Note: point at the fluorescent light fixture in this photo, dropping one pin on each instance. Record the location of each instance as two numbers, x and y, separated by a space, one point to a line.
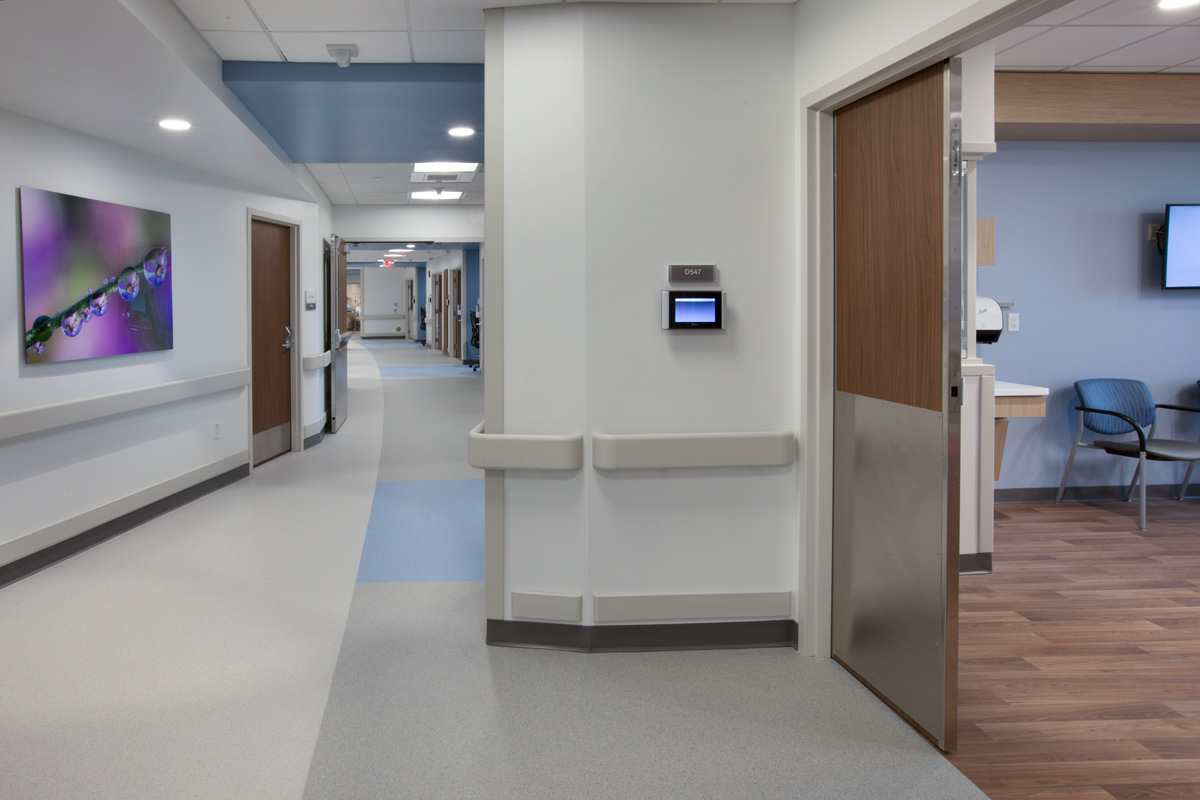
1171 5
174 124
449 166
436 195
461 130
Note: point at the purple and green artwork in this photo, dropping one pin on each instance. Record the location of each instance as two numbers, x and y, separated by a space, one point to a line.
97 278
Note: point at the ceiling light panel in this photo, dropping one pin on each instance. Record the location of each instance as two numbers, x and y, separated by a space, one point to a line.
344 15
436 196
444 166
374 47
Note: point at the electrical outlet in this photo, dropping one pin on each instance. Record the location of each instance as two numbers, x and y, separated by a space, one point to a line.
216 430
1014 321
1153 234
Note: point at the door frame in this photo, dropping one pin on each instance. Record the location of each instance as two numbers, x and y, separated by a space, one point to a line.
976 25
294 312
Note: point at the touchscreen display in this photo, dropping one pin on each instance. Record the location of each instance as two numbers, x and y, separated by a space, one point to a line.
696 309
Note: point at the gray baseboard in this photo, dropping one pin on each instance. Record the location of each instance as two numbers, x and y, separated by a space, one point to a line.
643 638
1046 494
314 440
36 562
975 564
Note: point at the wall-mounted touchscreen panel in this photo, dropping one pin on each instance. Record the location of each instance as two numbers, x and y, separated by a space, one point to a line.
693 310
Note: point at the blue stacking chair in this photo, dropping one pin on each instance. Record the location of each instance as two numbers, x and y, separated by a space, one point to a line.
1117 406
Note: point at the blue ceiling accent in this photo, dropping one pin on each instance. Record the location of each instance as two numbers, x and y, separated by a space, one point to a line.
364 113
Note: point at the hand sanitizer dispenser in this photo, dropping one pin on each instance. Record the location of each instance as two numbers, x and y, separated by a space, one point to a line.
989 320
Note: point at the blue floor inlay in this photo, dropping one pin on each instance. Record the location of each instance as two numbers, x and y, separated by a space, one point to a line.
432 371
424 531
375 345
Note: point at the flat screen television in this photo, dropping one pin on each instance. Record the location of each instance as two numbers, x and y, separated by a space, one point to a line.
1182 248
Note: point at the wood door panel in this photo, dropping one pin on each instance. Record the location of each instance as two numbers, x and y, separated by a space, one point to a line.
889 274
270 282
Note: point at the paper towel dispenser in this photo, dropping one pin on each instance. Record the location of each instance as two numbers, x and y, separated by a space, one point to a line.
989 320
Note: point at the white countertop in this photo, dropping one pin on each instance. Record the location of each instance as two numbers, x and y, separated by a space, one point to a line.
1006 389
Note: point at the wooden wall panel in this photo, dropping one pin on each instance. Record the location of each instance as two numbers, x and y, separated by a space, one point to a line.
889 243
1077 106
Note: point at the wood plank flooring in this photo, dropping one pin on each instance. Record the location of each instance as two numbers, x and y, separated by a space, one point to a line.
1080 655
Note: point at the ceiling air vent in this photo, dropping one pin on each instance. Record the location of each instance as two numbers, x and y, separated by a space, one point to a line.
442 176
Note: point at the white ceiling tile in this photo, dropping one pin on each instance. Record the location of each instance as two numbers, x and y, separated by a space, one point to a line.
1190 67
1136 12
342 198
1175 46
472 199
350 170
219 15
1070 11
323 171
241 46
1030 68
382 197
1018 35
448 47
1110 70
386 47
1068 46
361 184
321 15
446 15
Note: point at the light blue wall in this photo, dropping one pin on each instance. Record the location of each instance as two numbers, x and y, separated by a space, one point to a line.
470 297
1072 254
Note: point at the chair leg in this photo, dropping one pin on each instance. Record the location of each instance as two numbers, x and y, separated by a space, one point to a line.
1062 487
1142 468
1187 476
1136 472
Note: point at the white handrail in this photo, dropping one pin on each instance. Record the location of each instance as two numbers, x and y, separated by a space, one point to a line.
523 451
693 450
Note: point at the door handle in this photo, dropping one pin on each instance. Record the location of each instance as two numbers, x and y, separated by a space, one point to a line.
287 341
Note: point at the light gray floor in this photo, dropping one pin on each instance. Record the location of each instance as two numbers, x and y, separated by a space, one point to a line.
192 656
224 651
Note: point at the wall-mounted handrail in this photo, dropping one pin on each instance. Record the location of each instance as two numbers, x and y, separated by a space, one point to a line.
693 450
523 451
319 361
26 421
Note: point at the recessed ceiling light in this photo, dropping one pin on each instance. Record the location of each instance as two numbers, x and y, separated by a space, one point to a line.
461 130
436 195
377 178
174 124
1170 5
444 166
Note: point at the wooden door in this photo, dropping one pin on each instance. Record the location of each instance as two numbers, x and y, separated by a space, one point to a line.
271 340
898 328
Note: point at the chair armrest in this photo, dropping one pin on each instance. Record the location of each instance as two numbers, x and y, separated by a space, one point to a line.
1178 408
1136 428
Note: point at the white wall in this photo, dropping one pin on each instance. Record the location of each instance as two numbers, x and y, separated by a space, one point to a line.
50 477
401 223
383 294
699 98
